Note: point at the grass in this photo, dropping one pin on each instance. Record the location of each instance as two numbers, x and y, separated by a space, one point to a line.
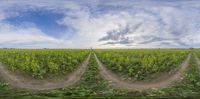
190 85
93 85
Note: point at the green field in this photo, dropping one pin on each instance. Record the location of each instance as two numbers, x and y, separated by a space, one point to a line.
142 64
39 63
131 64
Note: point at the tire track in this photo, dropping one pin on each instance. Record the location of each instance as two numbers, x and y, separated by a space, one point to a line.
18 81
160 82
198 61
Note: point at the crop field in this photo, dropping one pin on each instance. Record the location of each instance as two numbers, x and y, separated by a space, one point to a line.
65 73
142 64
112 49
39 63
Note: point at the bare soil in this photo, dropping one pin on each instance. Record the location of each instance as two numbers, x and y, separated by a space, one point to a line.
160 82
198 62
18 80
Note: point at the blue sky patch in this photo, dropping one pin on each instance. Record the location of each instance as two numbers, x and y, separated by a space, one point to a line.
45 20
94 23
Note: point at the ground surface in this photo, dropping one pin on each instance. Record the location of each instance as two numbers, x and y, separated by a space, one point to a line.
162 81
95 83
17 80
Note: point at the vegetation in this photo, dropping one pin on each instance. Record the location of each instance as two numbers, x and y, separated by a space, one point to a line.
197 53
142 64
188 87
39 63
93 85
90 85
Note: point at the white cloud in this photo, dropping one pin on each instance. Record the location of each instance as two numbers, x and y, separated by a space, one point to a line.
148 24
11 35
28 35
161 26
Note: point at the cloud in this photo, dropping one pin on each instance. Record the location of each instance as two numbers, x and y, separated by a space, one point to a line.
15 36
157 26
26 35
116 23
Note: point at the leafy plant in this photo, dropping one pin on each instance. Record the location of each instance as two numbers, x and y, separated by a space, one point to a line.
41 62
141 64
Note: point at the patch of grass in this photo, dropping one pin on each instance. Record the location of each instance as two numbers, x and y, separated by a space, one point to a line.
90 85
189 87
93 85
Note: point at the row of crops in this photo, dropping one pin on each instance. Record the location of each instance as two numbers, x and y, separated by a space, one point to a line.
41 62
197 53
135 64
92 83
142 64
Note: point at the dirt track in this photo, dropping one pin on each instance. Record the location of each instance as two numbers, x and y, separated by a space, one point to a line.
161 82
19 81
116 81
198 62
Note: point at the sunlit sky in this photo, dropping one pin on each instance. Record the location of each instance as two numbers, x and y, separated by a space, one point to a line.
99 23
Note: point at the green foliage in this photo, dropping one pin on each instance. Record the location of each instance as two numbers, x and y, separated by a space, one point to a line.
140 64
41 62
91 84
189 87
94 86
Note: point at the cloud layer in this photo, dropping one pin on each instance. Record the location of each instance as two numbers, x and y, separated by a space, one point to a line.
112 24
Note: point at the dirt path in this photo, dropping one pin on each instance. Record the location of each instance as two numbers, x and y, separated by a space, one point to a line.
161 82
198 62
19 81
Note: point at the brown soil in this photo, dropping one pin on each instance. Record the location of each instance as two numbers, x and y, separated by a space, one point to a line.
160 82
19 81
198 62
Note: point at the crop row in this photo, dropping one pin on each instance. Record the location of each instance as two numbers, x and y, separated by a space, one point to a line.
142 64
39 63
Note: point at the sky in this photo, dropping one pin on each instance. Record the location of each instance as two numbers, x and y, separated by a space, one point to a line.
99 23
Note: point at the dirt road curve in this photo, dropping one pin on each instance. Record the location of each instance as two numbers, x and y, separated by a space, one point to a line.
161 82
19 81
198 62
